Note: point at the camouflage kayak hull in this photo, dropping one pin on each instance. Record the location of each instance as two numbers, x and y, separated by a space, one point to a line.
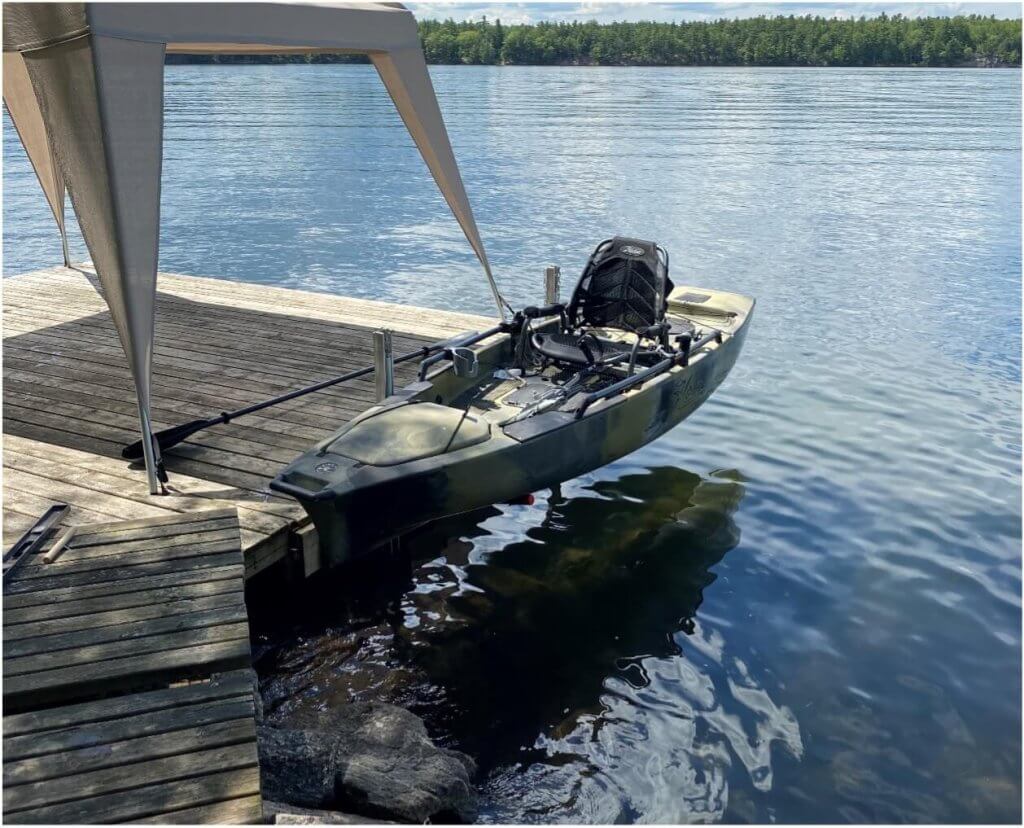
448 445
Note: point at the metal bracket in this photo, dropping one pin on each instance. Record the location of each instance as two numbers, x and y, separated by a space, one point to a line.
30 543
383 364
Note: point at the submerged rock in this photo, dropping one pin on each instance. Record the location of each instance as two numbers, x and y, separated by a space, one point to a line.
297 766
374 758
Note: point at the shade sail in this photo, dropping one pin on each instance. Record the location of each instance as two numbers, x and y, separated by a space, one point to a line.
83 83
28 121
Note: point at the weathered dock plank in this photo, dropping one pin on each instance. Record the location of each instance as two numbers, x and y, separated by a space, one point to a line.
69 636
127 679
70 407
182 754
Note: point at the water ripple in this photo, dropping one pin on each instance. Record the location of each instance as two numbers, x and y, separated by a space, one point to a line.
828 631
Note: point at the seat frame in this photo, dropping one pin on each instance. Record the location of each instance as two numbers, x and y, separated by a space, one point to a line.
577 310
573 323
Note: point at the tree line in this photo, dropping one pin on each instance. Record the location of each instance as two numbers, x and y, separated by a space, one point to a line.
967 40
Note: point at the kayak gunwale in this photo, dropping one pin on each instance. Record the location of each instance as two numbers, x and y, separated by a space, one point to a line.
366 505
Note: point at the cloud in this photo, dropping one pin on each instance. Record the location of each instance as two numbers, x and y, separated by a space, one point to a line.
603 12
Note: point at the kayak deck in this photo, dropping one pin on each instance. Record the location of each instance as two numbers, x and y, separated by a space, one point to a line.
501 399
496 424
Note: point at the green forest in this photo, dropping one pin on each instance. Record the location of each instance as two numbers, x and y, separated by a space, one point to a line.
970 40
758 41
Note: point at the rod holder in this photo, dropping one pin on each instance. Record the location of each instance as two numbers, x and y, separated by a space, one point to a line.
552 284
383 364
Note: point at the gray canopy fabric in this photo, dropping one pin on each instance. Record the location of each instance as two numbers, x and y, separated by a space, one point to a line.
28 121
83 84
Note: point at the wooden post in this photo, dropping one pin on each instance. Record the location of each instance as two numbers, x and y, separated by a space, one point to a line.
552 284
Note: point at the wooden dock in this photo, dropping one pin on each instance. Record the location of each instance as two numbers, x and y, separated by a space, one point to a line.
128 689
126 605
181 755
69 404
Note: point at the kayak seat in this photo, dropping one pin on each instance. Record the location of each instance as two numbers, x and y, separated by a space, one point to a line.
576 349
624 287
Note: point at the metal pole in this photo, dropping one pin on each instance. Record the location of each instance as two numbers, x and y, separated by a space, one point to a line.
63 229
64 245
150 452
552 284
498 298
383 364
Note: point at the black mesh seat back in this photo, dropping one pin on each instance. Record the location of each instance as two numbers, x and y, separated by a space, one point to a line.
624 286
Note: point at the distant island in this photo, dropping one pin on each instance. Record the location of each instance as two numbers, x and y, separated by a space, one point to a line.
967 40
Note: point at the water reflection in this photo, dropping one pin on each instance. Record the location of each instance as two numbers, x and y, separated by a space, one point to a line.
605 580
570 661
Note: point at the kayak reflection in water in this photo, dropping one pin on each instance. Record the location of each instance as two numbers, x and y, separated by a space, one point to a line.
524 640
569 661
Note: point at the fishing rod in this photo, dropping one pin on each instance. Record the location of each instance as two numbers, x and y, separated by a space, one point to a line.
170 437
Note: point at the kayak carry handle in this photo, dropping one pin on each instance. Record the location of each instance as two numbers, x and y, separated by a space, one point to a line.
299 492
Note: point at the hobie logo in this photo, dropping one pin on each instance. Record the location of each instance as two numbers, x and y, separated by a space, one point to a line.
631 250
326 468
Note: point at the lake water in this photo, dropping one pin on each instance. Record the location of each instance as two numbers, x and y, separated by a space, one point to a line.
803 604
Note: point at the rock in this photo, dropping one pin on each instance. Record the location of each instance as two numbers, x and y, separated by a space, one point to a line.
374 758
297 766
277 813
393 768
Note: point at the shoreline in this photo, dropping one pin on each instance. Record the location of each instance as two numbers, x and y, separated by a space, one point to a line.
260 60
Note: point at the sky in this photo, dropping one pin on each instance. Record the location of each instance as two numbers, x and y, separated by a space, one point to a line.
606 12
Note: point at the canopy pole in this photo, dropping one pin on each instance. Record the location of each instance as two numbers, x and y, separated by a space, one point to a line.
101 100
62 226
151 453
129 85
499 300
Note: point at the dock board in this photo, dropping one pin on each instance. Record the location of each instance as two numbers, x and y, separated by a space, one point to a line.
69 404
127 606
128 689
186 754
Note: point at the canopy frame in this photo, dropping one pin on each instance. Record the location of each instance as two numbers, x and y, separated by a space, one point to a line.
83 83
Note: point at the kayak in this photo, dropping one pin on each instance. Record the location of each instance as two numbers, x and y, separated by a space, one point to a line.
554 393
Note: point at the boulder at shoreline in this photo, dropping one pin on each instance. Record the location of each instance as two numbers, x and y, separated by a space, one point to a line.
367 758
